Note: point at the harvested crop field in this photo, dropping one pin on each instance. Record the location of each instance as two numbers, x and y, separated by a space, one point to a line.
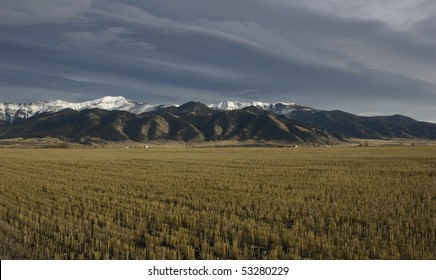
218 203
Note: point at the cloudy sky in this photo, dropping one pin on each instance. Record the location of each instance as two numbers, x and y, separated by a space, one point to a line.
372 57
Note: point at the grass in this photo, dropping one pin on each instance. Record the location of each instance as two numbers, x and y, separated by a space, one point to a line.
222 203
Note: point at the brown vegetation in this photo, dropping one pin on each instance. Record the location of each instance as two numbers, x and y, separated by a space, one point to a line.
239 203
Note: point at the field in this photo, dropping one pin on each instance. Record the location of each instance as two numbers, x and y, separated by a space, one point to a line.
218 203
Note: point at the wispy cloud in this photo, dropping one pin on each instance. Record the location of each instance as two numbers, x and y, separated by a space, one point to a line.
19 13
335 54
95 38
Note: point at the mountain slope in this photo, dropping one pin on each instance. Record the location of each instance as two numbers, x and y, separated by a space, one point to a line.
192 121
349 125
71 124
11 112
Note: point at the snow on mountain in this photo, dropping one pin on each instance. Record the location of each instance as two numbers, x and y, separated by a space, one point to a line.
280 108
9 112
12 111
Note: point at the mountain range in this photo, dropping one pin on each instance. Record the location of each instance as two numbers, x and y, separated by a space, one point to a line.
10 112
119 119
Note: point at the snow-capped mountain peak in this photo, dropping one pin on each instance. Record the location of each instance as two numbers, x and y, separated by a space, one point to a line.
281 108
108 103
9 112
12 111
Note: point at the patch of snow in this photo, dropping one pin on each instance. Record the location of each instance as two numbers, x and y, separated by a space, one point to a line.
12 111
280 108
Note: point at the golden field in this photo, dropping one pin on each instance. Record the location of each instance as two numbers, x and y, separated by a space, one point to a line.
218 203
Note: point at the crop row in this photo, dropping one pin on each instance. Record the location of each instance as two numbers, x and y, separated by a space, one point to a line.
251 203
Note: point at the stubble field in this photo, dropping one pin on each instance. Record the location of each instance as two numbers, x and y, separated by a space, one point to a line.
222 203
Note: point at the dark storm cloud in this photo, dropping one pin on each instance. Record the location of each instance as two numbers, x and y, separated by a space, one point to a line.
340 55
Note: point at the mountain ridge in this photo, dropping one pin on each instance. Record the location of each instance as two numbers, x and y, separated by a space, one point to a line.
194 122
378 127
116 118
10 112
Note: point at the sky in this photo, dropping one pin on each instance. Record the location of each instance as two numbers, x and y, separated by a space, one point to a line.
372 57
